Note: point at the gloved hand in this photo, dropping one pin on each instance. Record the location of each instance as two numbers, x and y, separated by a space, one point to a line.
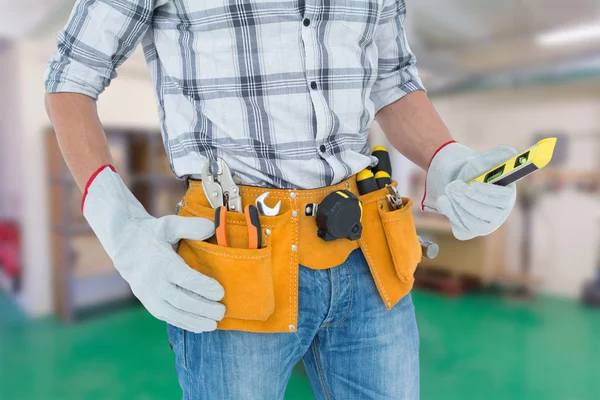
476 209
140 247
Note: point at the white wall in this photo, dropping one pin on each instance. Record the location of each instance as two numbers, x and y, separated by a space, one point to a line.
10 139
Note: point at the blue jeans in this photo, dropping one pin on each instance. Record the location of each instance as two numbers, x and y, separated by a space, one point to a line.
352 347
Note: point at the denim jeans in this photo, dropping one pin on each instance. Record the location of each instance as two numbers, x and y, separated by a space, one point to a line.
351 345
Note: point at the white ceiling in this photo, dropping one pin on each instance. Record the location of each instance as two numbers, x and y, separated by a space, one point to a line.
445 23
479 36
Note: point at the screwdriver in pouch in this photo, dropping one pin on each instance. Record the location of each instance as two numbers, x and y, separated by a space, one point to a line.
384 165
383 176
383 179
365 181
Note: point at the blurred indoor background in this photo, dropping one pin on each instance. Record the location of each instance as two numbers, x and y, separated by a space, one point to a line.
511 316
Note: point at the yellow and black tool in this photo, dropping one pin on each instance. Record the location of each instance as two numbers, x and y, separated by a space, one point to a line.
365 181
383 169
521 165
383 157
382 178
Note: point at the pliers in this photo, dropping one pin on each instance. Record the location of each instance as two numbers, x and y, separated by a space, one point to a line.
219 186
252 221
224 195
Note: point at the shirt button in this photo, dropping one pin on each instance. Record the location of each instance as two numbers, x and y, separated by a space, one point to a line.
313 85
306 22
322 148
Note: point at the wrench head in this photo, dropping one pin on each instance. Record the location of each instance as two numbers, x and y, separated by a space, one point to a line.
264 209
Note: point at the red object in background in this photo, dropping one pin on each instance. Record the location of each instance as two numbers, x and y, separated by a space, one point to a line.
9 253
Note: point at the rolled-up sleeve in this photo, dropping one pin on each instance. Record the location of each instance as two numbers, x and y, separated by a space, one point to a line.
99 36
397 73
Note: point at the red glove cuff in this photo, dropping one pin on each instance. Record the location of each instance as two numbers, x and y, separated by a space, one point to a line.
89 182
429 165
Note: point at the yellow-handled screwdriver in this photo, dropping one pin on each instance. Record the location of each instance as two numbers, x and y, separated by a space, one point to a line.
383 160
365 180
383 179
383 169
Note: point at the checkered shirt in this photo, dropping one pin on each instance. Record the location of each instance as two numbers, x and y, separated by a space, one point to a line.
284 91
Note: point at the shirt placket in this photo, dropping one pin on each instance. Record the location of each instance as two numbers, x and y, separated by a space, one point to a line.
314 63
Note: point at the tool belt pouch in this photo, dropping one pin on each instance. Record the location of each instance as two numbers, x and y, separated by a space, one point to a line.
260 284
390 245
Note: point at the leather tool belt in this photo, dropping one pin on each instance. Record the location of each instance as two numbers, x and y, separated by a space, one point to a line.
261 285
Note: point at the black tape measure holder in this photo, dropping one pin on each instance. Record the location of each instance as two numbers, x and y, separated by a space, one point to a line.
338 216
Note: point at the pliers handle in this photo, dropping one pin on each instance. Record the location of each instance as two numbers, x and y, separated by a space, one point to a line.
252 221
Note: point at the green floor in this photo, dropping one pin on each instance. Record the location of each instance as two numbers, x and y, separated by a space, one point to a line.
475 347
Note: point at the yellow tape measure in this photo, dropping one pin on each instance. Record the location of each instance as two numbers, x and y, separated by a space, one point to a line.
521 165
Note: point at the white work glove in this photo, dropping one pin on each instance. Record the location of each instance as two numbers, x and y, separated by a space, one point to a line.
141 248
476 209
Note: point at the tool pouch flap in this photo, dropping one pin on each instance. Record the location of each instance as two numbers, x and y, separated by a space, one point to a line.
402 239
390 244
246 275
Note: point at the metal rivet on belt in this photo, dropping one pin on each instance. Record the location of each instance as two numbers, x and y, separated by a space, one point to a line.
292 195
292 327
380 205
347 185
389 303
294 247
267 232
294 213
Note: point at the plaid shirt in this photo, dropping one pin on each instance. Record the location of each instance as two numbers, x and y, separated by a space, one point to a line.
284 91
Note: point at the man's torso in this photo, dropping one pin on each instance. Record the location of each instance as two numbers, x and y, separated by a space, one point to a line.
278 89
284 91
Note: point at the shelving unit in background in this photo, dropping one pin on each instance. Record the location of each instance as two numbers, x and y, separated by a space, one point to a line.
84 277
